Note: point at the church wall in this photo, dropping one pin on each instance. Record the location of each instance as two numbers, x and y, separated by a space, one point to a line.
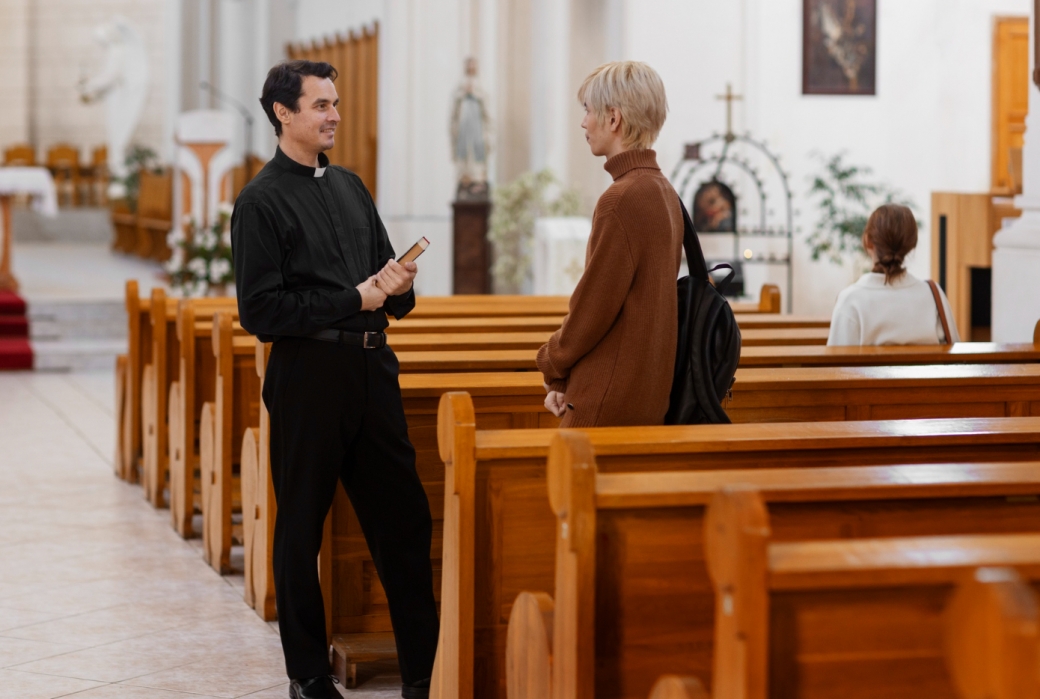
927 129
316 18
64 50
14 79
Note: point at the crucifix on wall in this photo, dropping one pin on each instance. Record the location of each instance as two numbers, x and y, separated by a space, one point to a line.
730 98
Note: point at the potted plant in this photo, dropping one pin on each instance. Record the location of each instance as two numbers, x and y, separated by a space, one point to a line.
201 262
511 231
846 197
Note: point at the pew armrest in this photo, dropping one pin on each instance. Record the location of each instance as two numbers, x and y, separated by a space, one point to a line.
676 687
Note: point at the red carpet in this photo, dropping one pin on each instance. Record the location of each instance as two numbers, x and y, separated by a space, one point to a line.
15 352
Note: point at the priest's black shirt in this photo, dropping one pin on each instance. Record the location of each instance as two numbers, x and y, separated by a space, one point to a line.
302 239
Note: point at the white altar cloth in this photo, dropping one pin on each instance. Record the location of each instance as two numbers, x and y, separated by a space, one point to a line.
34 181
559 253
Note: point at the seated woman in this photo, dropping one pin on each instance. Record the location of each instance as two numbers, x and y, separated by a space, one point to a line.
611 362
890 306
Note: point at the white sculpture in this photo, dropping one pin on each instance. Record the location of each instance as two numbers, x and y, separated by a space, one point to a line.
123 84
470 142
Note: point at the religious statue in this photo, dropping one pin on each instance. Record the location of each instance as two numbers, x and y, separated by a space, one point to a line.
469 136
123 85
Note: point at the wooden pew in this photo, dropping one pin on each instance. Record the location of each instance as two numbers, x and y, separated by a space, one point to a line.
157 376
889 355
884 393
195 385
991 637
484 305
754 357
236 408
501 536
477 341
139 354
551 323
630 566
838 618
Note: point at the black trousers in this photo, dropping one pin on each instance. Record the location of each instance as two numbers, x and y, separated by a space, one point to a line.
336 413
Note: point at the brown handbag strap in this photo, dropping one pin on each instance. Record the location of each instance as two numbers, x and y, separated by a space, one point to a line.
942 311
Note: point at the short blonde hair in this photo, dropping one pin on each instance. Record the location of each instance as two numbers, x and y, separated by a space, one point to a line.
634 89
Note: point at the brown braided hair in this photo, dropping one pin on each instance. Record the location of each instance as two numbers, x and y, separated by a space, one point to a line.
892 231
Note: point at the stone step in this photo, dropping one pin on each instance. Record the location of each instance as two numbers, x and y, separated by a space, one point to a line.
77 355
77 320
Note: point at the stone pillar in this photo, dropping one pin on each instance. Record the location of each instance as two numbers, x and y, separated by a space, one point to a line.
1016 254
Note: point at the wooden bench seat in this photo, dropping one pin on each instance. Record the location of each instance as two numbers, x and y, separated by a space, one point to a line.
500 530
884 392
839 618
617 531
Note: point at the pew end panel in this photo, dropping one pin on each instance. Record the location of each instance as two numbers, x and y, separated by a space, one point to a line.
736 535
258 536
529 647
991 637
1036 333
571 486
122 364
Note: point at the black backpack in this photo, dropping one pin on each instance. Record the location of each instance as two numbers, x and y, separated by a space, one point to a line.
708 344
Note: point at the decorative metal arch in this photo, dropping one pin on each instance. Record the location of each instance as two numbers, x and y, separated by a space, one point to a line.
695 162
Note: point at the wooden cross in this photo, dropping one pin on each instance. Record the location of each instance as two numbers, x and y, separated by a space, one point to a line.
729 97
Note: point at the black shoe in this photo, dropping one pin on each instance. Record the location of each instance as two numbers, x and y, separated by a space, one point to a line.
320 687
416 690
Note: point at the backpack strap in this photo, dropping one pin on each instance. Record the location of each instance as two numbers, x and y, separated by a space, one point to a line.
695 256
692 245
942 311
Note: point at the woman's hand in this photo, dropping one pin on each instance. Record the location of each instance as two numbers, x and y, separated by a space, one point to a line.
555 402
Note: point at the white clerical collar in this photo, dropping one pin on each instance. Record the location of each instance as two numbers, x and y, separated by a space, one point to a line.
319 172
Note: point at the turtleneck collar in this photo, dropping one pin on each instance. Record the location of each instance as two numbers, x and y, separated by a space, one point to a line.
630 160
286 163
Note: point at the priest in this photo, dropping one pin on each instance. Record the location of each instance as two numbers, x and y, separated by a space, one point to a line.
316 275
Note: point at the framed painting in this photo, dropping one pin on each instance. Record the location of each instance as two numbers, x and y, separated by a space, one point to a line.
839 47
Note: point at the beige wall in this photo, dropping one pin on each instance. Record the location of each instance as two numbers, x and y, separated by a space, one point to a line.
59 36
14 78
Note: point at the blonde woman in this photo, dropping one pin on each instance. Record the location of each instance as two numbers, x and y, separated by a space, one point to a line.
611 362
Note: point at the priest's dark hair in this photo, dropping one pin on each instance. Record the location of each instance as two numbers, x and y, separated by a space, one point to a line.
284 85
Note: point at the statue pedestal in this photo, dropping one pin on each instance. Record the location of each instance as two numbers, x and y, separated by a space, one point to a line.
472 267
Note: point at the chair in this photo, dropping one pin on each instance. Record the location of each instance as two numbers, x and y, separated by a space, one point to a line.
63 162
20 154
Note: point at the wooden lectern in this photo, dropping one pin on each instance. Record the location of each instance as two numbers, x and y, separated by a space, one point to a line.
963 226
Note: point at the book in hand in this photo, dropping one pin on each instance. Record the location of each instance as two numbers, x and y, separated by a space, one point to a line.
413 252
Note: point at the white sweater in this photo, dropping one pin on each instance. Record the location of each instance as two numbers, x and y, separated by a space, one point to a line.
871 312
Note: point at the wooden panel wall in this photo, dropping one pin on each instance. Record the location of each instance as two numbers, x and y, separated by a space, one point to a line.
1010 95
356 58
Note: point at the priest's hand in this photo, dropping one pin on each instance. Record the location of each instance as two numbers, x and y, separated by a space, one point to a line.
372 297
396 278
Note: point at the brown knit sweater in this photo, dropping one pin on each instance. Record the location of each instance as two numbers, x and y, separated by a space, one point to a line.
613 358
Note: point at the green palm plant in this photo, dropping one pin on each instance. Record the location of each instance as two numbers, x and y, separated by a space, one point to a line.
846 197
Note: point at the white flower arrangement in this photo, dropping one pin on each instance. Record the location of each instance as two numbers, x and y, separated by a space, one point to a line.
201 261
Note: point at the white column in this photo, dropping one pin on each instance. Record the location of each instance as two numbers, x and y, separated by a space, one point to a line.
420 65
1016 254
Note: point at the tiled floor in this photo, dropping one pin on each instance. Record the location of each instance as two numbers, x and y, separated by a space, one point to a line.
99 598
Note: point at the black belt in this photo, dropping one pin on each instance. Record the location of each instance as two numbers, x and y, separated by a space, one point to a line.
368 340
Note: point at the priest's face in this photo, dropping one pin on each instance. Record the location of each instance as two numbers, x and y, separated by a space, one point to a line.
313 128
